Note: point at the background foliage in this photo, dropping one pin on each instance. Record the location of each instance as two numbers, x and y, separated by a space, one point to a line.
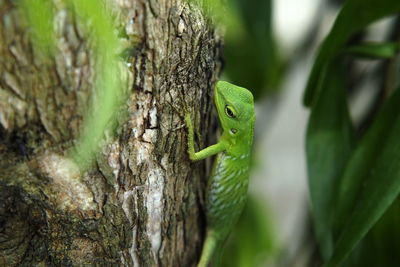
353 166
353 181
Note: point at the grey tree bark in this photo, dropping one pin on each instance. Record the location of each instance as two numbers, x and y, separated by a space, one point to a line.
140 204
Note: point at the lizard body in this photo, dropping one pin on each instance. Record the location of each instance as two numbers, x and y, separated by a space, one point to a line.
227 185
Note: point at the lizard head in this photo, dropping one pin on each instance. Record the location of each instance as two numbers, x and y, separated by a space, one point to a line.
235 107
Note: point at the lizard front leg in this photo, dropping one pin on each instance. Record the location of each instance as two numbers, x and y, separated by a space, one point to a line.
204 153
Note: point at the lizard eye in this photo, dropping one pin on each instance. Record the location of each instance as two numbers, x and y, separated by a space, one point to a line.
233 131
230 112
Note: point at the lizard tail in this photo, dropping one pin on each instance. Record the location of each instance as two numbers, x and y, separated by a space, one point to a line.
208 251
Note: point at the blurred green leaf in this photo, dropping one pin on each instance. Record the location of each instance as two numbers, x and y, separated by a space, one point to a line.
220 12
99 25
39 15
328 146
374 50
381 245
107 96
251 55
353 17
252 241
371 181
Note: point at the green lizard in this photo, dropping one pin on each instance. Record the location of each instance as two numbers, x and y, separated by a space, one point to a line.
227 185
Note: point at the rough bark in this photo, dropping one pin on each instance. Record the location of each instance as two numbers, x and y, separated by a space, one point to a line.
140 203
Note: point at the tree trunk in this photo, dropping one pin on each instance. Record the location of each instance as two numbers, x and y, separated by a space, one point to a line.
140 204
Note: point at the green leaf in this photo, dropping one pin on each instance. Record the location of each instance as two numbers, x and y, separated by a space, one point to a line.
374 50
381 245
98 23
328 146
252 64
371 181
40 15
354 16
